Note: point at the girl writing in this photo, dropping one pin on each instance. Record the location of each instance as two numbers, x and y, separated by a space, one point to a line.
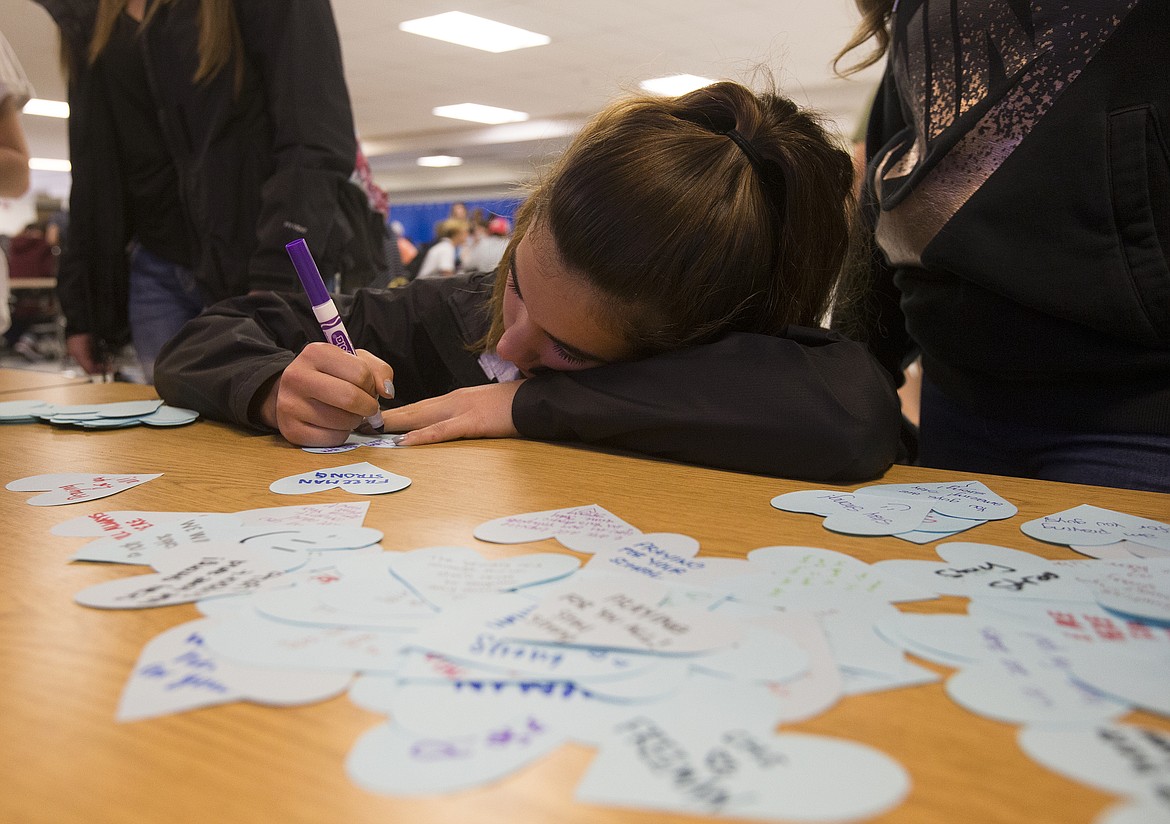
661 293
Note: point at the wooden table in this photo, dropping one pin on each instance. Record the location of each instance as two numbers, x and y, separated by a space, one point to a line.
30 383
64 759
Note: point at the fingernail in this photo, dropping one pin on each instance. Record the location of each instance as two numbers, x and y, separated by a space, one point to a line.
397 439
388 385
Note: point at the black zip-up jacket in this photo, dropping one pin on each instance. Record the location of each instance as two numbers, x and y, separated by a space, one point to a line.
1019 179
809 404
257 168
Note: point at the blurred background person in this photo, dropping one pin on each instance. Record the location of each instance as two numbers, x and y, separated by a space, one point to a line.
441 259
204 135
15 91
485 255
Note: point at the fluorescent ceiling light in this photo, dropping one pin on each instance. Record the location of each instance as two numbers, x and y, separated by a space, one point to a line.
47 108
439 161
479 114
49 164
675 84
476 32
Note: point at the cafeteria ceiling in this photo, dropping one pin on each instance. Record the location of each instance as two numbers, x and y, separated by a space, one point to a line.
598 50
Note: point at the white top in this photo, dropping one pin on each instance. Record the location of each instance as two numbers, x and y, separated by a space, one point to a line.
485 255
440 260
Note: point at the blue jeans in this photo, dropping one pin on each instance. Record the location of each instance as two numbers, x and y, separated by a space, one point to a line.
163 297
952 437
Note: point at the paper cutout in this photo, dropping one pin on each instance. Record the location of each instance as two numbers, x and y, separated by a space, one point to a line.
177 672
389 759
144 545
347 513
1022 692
200 576
1127 675
658 556
354 441
957 499
314 538
442 575
853 515
802 576
740 773
618 614
255 640
1137 589
117 524
359 478
1117 758
76 487
21 411
475 632
1088 525
580 528
977 570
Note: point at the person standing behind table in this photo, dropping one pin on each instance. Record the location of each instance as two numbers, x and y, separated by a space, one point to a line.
1019 190
204 135
485 256
441 259
15 91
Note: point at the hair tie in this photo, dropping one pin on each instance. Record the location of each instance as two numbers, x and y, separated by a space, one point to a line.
757 163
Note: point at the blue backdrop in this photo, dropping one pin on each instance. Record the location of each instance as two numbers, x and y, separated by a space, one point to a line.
419 219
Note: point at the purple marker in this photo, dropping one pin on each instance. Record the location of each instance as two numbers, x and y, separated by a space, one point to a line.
323 307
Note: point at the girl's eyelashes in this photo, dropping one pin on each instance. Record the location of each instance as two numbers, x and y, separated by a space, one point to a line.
511 283
564 354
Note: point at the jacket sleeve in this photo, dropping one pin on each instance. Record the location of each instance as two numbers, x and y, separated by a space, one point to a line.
219 361
813 405
295 48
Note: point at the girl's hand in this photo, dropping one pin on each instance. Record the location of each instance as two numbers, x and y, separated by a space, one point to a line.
325 393
472 412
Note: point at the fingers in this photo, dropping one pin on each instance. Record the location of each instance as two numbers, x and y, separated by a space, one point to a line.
324 394
474 412
382 372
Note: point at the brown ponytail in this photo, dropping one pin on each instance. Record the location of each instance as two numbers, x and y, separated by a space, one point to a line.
875 18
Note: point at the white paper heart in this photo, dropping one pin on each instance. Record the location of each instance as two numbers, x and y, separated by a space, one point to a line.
1088 525
613 613
176 671
801 575
347 513
1020 692
195 576
25 410
475 632
359 478
354 441
76 487
853 515
1126 675
580 528
312 538
443 575
986 570
959 499
253 639
659 556
1118 758
143 545
389 759
170 416
117 524
737 773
